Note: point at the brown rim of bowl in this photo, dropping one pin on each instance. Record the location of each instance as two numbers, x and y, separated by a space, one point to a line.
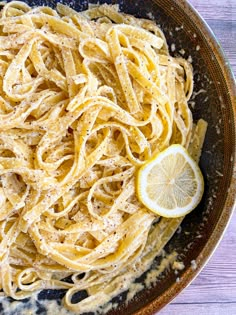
218 232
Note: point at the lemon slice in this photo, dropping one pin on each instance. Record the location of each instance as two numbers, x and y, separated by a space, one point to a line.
171 184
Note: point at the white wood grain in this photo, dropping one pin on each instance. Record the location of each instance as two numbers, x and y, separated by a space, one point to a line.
224 10
200 309
221 17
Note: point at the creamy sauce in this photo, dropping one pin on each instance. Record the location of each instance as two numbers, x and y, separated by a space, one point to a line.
190 59
172 47
182 51
193 265
51 307
150 16
18 308
154 273
178 265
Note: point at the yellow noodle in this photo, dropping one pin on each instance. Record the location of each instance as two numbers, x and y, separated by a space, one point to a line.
85 99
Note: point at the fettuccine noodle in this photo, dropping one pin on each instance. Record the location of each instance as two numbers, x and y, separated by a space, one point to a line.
85 99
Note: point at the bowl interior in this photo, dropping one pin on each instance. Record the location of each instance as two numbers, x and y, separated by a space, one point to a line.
212 100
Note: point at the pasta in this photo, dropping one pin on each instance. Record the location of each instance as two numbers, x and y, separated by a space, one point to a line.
85 99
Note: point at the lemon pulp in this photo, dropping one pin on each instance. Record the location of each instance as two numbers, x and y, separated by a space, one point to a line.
170 184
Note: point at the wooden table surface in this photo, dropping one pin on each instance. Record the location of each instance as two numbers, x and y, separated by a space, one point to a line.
213 292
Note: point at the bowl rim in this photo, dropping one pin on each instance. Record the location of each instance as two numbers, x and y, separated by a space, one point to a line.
230 204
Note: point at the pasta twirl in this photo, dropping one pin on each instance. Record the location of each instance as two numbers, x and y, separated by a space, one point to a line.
85 99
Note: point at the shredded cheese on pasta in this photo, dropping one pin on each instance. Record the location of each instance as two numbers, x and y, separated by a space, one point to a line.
85 99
